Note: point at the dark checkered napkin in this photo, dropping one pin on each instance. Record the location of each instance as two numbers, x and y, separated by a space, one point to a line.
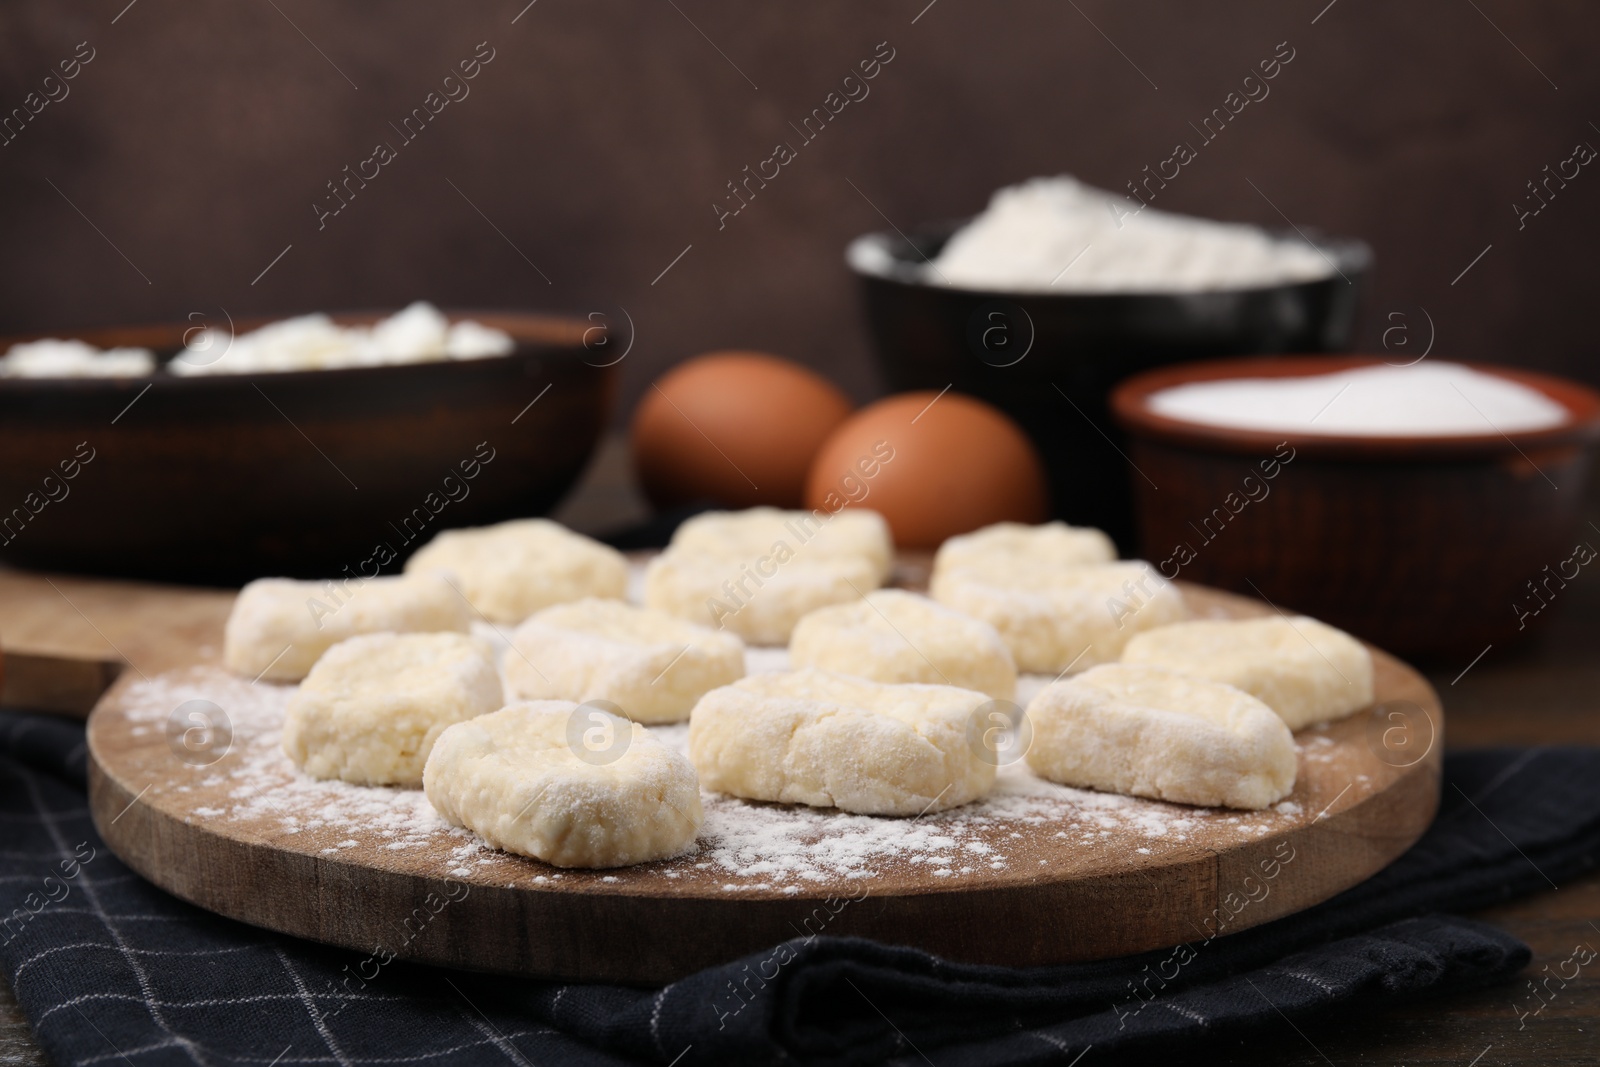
111 970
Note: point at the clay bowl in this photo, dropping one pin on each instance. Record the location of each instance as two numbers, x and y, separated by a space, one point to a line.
1050 360
223 478
1434 547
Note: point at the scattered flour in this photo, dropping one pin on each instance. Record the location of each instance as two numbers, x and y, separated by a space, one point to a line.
743 847
265 786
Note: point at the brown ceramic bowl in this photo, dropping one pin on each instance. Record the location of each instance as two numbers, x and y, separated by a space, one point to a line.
1049 360
1432 547
224 478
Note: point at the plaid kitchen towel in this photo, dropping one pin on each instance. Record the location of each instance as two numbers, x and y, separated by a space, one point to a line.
111 970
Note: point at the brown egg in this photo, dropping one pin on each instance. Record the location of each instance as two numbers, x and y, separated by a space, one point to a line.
933 466
740 428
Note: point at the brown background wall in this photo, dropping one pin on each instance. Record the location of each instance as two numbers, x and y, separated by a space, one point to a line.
601 133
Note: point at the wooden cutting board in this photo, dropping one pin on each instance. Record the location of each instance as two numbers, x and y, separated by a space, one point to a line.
1038 874
65 639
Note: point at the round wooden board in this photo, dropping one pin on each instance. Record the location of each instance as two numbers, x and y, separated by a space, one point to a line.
1037 874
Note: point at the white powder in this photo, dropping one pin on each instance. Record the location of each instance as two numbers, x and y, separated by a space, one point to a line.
261 783
743 846
418 334
1423 400
51 358
1060 235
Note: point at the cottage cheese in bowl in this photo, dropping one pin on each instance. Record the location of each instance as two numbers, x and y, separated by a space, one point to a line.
418 334
52 358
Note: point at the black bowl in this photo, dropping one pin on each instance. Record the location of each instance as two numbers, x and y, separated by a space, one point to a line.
1050 360
223 478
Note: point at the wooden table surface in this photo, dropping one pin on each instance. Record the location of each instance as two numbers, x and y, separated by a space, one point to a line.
1547 693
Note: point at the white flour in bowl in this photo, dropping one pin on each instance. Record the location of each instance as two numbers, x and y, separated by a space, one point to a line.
1424 400
1060 235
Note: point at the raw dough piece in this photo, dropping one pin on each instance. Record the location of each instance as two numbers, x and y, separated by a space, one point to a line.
1056 617
513 569
520 779
752 533
756 572
650 664
1147 732
721 592
279 626
1049 545
809 737
372 707
1304 670
895 636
